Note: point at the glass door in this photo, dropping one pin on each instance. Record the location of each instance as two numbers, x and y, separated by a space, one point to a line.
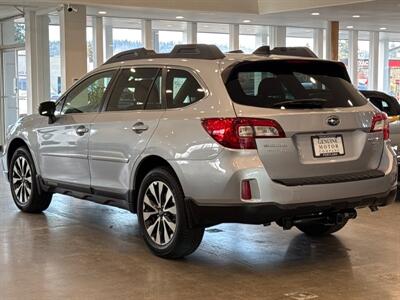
13 96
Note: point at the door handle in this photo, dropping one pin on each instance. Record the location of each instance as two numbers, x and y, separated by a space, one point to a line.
139 127
81 130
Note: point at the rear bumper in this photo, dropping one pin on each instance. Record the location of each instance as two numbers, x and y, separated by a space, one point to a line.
261 213
217 182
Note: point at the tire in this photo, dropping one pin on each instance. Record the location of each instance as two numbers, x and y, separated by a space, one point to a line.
26 192
318 229
162 218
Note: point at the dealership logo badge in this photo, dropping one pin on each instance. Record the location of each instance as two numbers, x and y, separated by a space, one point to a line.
333 121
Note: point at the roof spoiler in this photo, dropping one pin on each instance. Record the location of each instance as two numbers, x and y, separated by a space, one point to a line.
286 51
195 51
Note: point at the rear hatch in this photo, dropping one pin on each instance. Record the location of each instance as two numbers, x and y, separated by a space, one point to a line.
328 131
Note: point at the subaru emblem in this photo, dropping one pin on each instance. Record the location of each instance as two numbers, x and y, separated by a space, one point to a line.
333 121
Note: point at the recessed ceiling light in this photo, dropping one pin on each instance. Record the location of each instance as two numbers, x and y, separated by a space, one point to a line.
356 16
102 12
315 14
350 27
383 28
179 17
246 21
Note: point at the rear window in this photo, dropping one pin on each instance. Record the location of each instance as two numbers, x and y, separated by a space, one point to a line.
292 84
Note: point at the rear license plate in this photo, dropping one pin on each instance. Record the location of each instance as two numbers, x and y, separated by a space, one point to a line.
328 146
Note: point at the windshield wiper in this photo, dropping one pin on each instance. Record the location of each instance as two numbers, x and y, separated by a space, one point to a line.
312 102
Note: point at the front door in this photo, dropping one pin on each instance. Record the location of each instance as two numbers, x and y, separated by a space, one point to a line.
63 145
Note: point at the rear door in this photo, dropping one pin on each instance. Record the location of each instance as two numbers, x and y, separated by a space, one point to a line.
63 145
327 123
121 132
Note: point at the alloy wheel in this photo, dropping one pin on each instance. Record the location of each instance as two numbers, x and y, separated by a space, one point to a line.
159 213
22 180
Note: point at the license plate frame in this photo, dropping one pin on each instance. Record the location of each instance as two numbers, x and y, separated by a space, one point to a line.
339 141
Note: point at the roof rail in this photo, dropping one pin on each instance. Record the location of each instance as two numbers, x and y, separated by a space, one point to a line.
199 51
235 51
138 53
288 51
196 51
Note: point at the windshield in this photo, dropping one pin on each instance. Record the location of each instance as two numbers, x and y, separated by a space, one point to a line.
292 84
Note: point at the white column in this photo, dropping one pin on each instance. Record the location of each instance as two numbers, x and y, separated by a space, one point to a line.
108 41
37 59
31 63
384 78
98 41
277 36
147 35
373 60
191 35
233 37
73 45
353 56
318 36
327 42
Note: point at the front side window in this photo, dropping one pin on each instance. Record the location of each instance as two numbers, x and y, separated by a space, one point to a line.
88 96
137 89
182 89
294 84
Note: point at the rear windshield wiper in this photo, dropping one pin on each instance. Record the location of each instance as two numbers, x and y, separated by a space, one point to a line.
312 102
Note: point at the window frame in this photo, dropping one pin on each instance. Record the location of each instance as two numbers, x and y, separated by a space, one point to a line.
64 97
117 76
164 70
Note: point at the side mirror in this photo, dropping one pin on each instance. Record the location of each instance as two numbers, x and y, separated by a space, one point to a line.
48 109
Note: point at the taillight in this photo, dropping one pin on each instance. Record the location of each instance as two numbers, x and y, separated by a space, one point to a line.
241 133
380 122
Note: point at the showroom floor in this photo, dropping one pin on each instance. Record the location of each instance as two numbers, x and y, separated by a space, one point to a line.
80 250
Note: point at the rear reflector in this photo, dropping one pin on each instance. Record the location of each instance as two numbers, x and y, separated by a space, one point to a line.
380 122
241 133
246 190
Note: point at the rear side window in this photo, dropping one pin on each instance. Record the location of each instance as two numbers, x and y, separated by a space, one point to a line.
136 89
292 84
182 89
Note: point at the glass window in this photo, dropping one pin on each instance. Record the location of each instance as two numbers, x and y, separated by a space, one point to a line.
392 86
213 33
281 85
344 47
90 44
134 87
55 57
300 37
182 89
363 60
252 36
167 34
13 32
88 96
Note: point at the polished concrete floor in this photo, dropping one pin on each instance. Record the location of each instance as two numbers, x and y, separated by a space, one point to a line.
80 250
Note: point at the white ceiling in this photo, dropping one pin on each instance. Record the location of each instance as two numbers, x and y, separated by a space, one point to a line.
375 14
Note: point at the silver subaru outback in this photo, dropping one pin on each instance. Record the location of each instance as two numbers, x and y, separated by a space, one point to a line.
196 137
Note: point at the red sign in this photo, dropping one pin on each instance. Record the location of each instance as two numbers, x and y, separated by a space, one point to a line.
394 63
